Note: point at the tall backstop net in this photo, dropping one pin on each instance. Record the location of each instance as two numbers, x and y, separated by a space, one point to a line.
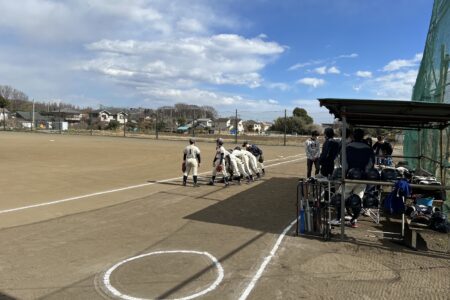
433 85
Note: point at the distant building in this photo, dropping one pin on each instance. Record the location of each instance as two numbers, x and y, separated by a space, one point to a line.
109 115
253 126
4 116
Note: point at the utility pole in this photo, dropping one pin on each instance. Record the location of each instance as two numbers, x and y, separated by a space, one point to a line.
32 118
285 127
124 125
235 127
156 125
60 122
193 124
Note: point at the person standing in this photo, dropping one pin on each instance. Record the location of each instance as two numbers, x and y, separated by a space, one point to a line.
330 151
312 149
219 165
382 150
359 157
191 160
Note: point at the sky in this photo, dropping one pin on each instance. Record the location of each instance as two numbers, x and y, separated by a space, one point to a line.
260 57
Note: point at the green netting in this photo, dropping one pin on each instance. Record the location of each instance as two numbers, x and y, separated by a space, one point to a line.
433 85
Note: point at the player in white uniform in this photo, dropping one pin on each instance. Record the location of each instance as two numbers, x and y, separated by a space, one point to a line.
258 153
241 162
252 163
191 159
219 160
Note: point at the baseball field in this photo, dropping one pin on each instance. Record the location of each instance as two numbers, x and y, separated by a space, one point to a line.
86 217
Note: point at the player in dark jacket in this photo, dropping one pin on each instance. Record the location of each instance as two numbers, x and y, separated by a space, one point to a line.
330 150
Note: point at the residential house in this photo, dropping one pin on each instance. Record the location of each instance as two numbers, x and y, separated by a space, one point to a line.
109 115
68 115
222 124
5 115
265 126
204 123
25 119
228 125
253 126
240 125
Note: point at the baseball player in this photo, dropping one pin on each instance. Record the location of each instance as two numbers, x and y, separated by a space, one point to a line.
219 163
191 160
258 153
241 162
252 163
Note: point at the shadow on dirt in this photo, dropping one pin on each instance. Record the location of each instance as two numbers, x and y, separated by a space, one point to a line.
266 207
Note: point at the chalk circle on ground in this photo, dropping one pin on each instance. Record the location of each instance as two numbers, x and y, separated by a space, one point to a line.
115 292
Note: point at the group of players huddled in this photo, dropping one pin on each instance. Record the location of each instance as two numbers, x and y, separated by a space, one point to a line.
241 163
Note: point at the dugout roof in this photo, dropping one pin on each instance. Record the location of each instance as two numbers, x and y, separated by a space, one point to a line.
389 113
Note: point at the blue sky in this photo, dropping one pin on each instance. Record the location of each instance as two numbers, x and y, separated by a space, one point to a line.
260 57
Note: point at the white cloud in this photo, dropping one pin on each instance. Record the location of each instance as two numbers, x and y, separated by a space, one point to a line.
333 70
278 85
396 85
311 81
305 64
324 70
353 55
403 63
364 74
321 70
216 60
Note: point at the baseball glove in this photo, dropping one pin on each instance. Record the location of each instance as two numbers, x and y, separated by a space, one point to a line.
261 158
183 167
219 168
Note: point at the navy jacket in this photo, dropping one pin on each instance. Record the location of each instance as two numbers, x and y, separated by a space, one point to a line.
360 156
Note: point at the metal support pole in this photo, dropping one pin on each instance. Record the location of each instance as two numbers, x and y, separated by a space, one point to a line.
344 171
441 152
32 119
124 125
285 127
156 126
235 127
193 124
419 143
60 122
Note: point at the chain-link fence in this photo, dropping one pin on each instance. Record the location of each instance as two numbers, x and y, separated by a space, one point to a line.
433 85
278 127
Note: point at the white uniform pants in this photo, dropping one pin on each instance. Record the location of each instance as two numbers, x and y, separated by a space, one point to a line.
191 164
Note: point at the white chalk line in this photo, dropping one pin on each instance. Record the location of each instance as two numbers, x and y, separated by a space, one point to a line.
213 286
266 261
124 189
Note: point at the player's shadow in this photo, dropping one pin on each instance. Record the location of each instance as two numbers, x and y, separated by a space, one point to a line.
6 297
268 206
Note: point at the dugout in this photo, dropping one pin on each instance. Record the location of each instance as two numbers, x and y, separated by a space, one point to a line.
392 114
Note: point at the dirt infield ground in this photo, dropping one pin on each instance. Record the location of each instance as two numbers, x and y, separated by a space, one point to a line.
102 218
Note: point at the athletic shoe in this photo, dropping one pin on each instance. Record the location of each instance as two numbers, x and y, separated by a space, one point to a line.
227 184
211 183
196 185
335 222
354 224
184 183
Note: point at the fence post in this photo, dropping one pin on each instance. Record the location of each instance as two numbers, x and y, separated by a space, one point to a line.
124 125
156 126
285 127
235 127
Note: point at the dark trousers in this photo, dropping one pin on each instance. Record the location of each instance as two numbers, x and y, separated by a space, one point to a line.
309 163
355 212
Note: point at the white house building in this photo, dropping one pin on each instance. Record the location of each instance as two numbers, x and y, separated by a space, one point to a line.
4 116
